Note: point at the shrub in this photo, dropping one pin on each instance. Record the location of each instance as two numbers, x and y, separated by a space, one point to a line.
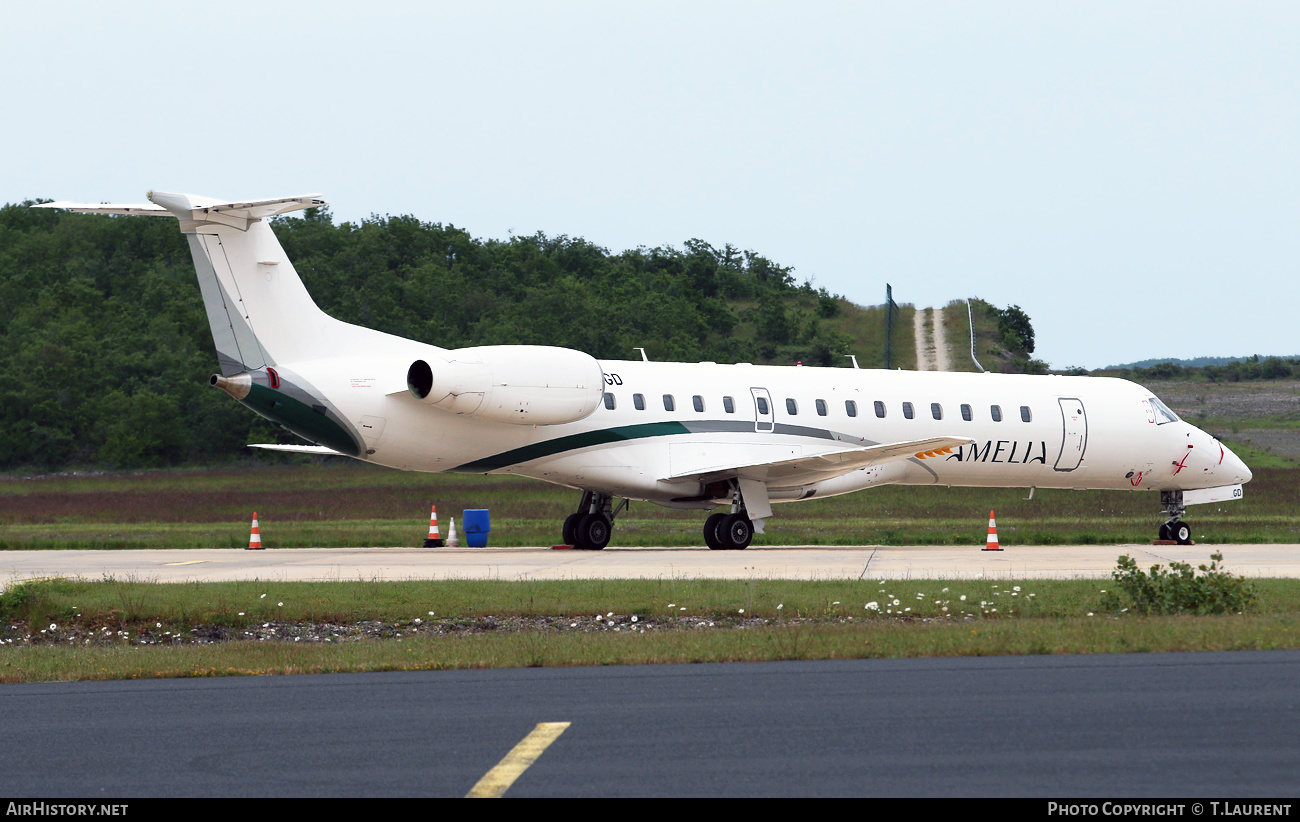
1179 590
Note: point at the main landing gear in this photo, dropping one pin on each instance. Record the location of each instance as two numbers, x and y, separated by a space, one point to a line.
1174 528
589 528
732 530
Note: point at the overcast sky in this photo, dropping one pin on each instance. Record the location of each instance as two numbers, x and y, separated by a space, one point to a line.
1125 172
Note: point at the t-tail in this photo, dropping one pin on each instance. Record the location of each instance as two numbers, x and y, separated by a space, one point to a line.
262 318
258 309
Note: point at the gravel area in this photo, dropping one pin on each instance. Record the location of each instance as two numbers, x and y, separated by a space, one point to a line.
19 634
1243 401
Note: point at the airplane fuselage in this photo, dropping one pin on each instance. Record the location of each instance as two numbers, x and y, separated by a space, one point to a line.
672 424
687 435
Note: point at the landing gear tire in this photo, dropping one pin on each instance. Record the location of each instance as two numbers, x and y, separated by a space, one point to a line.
570 529
1164 531
735 531
592 532
711 538
1182 532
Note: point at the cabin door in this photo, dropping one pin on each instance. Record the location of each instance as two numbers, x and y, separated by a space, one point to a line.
1074 433
763 416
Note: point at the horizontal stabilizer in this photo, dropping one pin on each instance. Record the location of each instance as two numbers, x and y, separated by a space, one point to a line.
829 464
318 450
146 209
198 209
248 210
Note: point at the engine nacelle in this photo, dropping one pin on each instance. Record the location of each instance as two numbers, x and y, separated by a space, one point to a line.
520 384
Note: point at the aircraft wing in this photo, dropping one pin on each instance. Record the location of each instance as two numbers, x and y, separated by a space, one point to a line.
319 450
822 465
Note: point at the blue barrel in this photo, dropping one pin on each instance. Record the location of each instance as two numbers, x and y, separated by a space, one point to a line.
477 525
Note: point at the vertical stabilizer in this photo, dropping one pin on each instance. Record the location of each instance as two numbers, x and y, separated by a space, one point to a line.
258 309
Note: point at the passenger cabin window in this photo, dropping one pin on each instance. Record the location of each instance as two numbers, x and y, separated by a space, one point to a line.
850 408
936 410
638 402
791 407
995 411
880 409
965 412
762 405
669 403
908 411
729 405
1025 416
609 401
698 402
821 408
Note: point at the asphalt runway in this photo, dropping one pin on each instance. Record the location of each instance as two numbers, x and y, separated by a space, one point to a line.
1176 726
811 562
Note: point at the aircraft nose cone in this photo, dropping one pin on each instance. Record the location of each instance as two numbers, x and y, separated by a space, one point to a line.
1233 468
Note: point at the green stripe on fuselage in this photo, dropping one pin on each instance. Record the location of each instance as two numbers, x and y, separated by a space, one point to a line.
301 419
570 443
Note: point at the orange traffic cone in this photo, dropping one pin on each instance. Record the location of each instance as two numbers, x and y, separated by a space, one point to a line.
434 540
255 538
452 542
992 543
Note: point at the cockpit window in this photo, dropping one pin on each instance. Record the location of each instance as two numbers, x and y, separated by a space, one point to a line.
1163 414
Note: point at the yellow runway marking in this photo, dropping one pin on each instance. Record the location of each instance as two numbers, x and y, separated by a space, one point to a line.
189 562
497 781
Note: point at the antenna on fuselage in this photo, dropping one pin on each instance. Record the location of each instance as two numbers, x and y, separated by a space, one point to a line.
644 358
854 358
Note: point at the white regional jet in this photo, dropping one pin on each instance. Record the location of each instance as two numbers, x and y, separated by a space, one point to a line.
683 435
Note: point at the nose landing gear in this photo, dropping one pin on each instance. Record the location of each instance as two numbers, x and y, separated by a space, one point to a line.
1174 529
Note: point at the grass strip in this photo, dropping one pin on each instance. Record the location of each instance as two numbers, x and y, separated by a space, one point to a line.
357 505
73 630
874 640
